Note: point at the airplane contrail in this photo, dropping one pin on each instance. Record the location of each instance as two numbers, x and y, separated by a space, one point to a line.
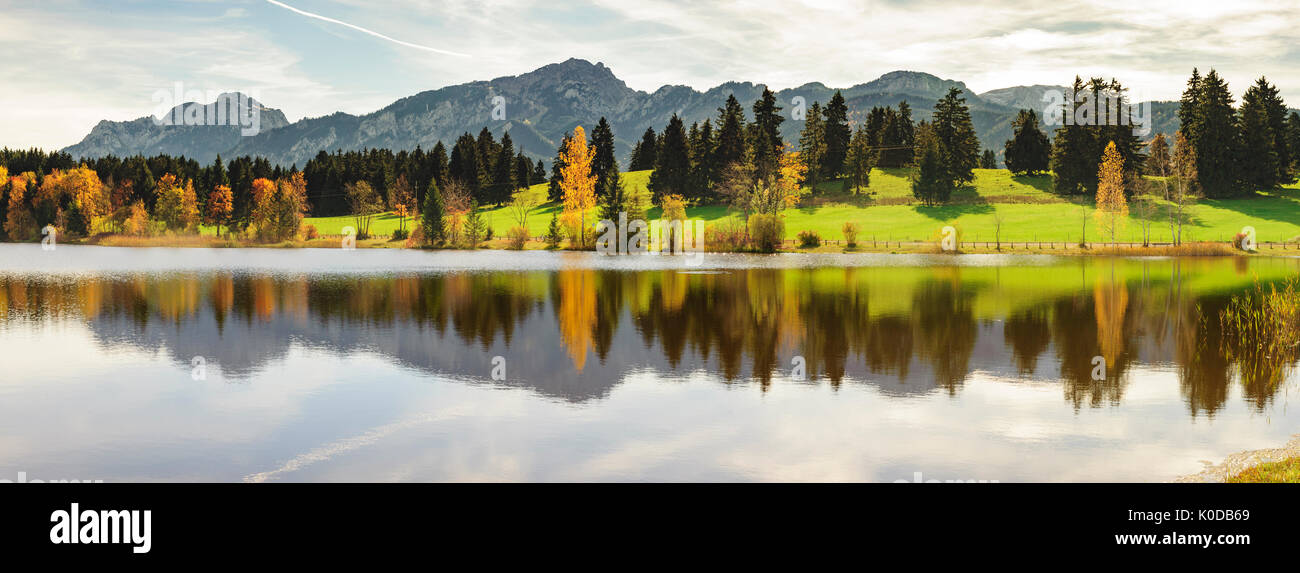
371 32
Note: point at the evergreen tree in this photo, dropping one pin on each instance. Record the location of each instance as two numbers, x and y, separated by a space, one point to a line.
704 169
837 136
1074 161
1265 160
765 136
523 171
731 134
672 167
438 169
813 147
1158 159
539 173
503 172
988 160
958 144
858 161
1028 151
464 165
1189 107
1217 139
1293 142
487 148
932 183
554 191
431 216
603 163
645 153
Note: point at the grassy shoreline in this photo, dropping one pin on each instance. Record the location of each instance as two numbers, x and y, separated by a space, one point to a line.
867 247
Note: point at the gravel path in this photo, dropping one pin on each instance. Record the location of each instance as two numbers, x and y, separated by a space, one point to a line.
1238 462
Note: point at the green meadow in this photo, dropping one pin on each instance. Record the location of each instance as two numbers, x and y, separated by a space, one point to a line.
887 212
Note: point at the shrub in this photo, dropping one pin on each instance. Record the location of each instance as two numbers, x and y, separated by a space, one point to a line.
309 232
725 236
400 234
850 230
517 237
766 232
809 240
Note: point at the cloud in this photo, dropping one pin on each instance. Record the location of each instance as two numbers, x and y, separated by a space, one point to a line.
104 64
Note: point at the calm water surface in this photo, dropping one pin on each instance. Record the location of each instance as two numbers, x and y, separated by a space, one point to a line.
330 365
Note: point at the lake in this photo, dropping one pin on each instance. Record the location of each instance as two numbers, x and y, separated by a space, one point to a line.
124 364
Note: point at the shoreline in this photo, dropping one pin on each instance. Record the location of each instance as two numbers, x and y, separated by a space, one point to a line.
1236 463
1203 249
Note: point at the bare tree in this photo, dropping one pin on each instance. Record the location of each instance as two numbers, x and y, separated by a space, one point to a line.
997 229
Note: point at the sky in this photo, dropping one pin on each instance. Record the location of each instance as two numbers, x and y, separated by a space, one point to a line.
67 64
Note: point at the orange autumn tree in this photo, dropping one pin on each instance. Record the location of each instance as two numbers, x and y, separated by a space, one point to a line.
221 204
1112 207
578 185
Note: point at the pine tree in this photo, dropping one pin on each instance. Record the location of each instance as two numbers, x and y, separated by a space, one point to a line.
988 160
1265 161
645 153
1217 139
731 145
1028 151
1189 115
464 165
603 162
813 146
858 161
958 144
672 166
486 147
765 136
1112 207
554 191
837 136
1293 143
704 172
932 183
539 173
1074 160
431 216
503 172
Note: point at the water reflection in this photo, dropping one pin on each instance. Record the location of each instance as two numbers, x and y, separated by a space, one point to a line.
575 333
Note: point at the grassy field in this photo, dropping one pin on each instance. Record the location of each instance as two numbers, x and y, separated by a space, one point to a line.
1030 212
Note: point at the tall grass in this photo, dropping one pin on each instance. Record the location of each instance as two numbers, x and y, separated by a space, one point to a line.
1261 332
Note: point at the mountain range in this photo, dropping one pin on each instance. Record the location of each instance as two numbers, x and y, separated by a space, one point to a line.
540 107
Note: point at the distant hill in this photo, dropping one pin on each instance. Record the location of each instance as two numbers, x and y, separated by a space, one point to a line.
540 106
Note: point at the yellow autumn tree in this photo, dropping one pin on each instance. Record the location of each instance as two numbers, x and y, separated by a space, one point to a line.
578 184
173 206
1112 207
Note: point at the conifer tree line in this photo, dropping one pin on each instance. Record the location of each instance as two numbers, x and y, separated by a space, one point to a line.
1236 149
696 162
